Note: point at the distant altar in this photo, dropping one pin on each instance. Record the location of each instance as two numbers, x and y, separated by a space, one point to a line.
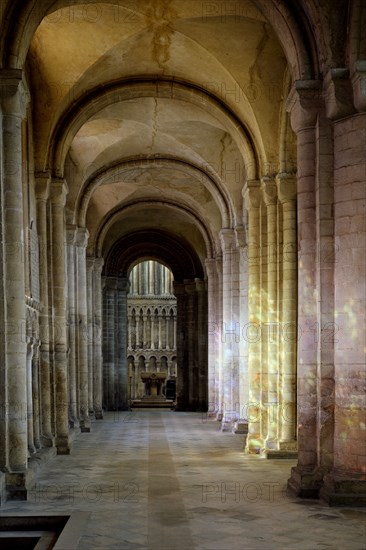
154 397
154 382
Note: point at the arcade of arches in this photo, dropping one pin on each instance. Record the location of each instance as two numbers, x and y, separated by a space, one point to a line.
225 141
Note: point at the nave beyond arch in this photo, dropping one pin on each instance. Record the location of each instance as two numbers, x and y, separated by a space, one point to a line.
226 143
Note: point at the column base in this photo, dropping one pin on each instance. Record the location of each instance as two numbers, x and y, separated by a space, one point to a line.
254 444
305 483
219 415
85 425
47 440
63 445
98 414
281 455
281 450
18 484
340 490
240 427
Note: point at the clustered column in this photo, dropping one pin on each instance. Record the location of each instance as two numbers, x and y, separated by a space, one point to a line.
13 422
271 332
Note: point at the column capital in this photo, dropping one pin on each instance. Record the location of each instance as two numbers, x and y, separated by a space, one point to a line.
14 94
210 264
110 283
71 234
123 284
200 285
227 239
90 263
251 194
178 288
43 186
190 286
59 191
359 84
303 103
338 94
240 236
286 187
269 190
98 265
82 236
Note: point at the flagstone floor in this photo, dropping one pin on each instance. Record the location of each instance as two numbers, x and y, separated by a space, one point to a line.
162 480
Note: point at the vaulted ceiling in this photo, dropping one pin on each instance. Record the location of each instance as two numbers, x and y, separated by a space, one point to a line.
156 112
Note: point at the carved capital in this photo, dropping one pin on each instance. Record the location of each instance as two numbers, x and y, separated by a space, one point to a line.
304 103
227 239
200 285
43 186
71 234
251 194
286 187
98 265
123 284
82 236
59 192
240 235
338 94
269 190
210 267
14 94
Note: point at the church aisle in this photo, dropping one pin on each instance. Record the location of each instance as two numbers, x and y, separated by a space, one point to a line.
161 480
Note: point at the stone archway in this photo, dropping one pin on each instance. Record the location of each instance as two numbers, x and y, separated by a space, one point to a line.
191 325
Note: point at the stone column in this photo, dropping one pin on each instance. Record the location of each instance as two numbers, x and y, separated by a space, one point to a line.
251 193
181 345
151 278
152 333
213 335
241 304
174 332
31 447
36 396
304 106
219 382
230 328
202 356
58 201
191 379
167 320
97 340
82 236
71 298
13 371
89 332
129 331
137 317
109 343
343 263
42 196
121 344
144 320
160 331
287 196
270 319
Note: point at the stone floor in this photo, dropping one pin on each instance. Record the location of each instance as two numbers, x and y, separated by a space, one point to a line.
162 480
